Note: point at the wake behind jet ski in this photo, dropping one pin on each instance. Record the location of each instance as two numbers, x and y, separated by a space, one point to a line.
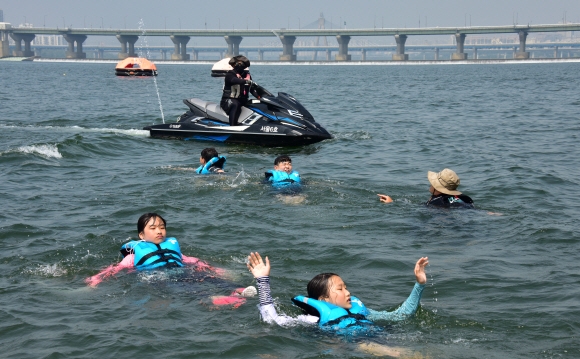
268 120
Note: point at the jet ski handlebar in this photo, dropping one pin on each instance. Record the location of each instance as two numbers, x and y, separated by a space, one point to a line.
259 89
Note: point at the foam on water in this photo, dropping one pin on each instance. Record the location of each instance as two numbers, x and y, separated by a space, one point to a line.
240 259
48 151
76 129
129 132
356 135
153 276
47 270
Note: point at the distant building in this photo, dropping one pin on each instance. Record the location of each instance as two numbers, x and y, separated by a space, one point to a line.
49 40
1 15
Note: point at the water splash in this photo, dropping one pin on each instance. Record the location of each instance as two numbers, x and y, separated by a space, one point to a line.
242 176
434 290
47 270
143 38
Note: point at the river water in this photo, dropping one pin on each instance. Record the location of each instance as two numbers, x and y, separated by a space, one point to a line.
76 172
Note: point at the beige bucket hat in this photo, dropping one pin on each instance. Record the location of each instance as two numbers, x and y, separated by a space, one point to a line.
445 181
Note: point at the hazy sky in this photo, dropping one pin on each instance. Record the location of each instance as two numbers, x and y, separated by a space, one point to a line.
275 14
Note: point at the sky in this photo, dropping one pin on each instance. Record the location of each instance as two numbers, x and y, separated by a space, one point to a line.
276 14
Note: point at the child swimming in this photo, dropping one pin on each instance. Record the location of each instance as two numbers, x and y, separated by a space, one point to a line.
282 175
329 303
155 250
211 162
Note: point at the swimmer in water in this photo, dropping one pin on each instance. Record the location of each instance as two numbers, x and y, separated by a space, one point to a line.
282 175
285 181
443 191
330 305
211 162
155 250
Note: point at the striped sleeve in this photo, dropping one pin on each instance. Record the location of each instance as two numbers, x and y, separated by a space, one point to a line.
268 311
264 290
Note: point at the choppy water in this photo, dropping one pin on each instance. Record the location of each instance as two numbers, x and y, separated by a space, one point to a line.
76 171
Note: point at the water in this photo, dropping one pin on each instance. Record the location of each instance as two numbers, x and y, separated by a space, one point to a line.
77 171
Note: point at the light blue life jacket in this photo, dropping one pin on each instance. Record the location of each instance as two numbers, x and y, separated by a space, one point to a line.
333 315
218 162
281 178
150 255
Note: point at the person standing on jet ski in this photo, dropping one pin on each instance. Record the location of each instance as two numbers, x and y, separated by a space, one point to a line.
237 87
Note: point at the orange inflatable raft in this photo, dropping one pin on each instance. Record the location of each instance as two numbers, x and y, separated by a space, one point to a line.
135 66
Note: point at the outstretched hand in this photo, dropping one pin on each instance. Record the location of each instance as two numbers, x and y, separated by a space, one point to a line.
420 270
258 267
384 198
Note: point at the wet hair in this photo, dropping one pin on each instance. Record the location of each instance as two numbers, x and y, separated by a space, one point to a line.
319 286
209 153
144 219
282 158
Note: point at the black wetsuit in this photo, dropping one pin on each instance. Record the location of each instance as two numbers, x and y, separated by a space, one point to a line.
232 104
448 201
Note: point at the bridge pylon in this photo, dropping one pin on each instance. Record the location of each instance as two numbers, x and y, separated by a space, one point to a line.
127 43
18 38
180 53
4 44
71 53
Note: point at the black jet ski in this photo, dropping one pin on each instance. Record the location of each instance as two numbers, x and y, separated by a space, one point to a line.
268 121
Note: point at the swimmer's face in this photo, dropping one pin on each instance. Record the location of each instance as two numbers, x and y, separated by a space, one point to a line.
154 231
284 167
201 160
338 294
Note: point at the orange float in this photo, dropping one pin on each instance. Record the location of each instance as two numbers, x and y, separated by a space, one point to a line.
135 66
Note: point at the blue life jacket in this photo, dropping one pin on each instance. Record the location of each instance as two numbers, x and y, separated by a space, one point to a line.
281 178
150 255
218 162
334 316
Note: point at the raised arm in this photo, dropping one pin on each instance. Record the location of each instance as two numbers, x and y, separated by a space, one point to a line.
409 306
261 271
127 262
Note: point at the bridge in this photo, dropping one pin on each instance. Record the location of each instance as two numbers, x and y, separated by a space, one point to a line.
430 52
233 38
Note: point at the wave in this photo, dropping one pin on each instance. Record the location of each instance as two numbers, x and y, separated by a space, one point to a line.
129 132
48 151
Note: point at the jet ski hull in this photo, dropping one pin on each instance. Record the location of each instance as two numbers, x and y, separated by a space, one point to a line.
272 121
245 137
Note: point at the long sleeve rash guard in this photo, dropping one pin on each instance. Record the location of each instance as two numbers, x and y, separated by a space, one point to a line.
269 314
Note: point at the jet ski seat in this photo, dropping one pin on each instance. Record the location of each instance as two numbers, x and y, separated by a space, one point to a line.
212 109
215 111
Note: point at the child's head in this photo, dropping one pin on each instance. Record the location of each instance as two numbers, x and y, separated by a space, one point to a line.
283 163
207 154
329 287
151 228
